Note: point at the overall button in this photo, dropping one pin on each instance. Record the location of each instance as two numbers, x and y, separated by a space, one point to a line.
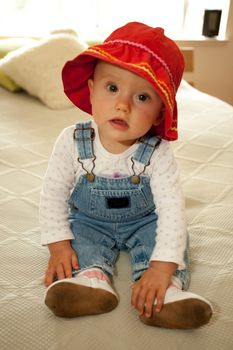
135 179
90 177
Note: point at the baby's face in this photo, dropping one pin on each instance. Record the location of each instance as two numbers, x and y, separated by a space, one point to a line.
124 106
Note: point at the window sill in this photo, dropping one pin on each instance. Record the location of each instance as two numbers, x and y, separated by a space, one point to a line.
98 39
203 41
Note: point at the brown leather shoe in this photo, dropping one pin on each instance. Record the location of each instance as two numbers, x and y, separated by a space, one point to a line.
73 297
183 314
181 310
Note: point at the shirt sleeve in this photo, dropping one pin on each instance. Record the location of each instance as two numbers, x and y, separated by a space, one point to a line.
58 182
171 232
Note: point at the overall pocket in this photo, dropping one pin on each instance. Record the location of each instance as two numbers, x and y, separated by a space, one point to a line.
118 205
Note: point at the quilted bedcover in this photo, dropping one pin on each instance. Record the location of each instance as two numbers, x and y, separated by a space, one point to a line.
204 153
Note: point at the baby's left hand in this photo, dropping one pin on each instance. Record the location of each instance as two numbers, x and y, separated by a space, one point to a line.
152 285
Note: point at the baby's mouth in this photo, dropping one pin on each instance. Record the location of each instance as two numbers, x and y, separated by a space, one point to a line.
119 123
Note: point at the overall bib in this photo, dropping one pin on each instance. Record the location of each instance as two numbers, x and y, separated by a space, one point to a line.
107 215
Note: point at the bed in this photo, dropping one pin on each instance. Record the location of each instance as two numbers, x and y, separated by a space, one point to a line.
204 152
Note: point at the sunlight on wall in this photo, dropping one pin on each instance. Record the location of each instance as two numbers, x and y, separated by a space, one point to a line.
97 18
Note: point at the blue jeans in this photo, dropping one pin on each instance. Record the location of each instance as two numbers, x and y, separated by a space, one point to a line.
109 215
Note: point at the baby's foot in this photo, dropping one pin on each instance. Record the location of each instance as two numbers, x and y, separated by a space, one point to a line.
181 310
88 293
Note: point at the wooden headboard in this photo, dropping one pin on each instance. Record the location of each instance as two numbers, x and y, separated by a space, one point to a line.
188 54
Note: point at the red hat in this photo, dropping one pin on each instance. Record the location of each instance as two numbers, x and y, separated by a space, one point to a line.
140 49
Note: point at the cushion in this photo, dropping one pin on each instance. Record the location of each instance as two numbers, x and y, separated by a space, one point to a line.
6 46
8 83
37 68
10 44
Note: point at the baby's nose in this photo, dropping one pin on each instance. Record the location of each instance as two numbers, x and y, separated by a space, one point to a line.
123 104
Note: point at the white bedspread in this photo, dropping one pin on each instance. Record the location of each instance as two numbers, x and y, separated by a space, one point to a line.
205 155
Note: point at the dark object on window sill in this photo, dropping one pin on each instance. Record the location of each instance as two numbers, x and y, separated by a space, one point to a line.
211 22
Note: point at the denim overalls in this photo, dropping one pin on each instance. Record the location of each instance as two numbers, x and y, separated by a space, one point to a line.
107 215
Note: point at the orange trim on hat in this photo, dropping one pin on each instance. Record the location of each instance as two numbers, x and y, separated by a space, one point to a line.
144 66
166 91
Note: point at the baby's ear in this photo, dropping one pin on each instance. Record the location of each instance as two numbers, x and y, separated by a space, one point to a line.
160 116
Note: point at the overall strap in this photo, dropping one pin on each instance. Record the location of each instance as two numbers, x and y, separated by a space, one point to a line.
148 144
84 134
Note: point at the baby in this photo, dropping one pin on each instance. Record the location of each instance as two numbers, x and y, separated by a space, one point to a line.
112 184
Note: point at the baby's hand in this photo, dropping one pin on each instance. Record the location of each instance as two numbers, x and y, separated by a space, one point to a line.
152 285
62 260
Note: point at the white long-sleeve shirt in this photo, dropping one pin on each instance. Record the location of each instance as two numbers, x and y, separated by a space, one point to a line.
64 171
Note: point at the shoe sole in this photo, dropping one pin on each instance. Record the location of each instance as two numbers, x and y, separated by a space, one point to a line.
184 314
72 300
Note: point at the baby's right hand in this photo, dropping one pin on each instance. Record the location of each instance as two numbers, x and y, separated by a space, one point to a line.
62 260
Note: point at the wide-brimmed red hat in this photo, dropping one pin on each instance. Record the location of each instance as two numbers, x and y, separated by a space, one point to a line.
140 49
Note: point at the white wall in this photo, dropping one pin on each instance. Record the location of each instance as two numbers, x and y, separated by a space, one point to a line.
213 64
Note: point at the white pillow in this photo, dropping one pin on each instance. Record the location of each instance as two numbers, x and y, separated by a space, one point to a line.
37 69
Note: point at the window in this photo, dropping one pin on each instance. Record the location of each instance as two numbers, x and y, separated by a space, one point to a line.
193 19
95 19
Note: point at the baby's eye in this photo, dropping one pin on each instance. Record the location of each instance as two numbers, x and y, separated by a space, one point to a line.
112 87
143 97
